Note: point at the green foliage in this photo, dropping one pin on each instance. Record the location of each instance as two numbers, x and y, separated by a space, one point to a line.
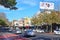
2 23
9 4
53 17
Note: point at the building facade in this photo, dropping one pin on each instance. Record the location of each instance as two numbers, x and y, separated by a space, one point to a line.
22 22
27 21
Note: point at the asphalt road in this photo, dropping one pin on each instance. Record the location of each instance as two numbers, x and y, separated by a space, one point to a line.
41 36
44 36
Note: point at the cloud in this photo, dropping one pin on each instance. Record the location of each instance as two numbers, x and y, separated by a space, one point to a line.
28 2
20 9
3 8
32 3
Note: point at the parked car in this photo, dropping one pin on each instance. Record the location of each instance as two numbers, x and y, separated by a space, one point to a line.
34 30
17 30
57 31
38 30
29 32
10 29
4 29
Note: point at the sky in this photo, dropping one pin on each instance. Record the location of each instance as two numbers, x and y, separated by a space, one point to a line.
26 8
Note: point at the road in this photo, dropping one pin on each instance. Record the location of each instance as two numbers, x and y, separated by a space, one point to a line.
40 36
45 36
11 36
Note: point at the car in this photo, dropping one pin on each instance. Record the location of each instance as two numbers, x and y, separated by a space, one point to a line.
34 30
17 30
38 30
10 29
29 32
4 29
57 31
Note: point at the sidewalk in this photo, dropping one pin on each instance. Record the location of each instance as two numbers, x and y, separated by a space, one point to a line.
50 33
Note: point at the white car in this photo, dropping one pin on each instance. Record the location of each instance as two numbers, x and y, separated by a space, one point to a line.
41 31
34 30
57 31
18 32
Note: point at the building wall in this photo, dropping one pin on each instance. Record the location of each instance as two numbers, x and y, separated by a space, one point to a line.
27 22
22 22
14 22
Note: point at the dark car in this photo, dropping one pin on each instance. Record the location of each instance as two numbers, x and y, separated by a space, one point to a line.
4 29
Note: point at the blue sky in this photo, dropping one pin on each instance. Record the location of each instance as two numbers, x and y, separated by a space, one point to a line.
26 8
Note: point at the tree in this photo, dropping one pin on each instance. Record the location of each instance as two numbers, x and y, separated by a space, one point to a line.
2 23
3 17
9 4
54 17
44 17
48 18
34 20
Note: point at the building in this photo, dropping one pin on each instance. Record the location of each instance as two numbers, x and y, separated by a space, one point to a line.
22 22
15 23
27 21
3 17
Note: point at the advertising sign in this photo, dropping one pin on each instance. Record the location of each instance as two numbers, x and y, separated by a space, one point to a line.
47 5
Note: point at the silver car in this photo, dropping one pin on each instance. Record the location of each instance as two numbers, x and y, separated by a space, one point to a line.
29 32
